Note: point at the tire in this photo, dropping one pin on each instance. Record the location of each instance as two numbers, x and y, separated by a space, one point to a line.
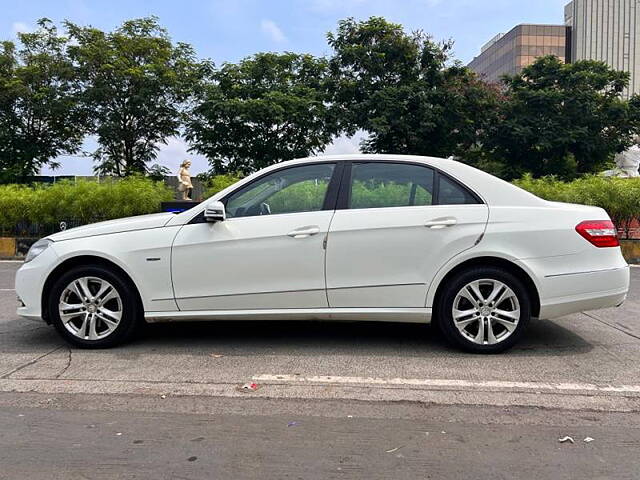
109 320
480 326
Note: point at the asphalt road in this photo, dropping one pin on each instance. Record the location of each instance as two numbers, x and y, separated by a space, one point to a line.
334 400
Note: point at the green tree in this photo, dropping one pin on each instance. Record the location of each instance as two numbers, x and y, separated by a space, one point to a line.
562 119
136 83
263 110
157 172
404 91
40 113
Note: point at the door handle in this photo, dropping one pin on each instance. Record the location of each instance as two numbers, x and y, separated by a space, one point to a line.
441 223
304 232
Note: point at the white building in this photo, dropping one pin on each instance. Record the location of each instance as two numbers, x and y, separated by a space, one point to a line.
607 30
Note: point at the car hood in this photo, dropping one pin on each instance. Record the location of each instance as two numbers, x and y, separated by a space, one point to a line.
140 222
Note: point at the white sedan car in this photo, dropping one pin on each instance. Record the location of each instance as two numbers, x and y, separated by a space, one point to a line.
364 237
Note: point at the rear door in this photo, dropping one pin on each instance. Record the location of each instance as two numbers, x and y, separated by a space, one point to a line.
396 224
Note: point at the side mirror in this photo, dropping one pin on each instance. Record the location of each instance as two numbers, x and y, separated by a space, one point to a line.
214 212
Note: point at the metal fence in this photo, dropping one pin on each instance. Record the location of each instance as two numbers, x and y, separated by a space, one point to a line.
38 230
199 187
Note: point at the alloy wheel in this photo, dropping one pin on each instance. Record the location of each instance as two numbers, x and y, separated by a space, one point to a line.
486 311
90 308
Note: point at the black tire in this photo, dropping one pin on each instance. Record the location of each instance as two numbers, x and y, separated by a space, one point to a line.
131 314
455 285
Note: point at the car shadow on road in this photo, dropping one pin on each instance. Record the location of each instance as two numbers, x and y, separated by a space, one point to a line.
543 338
303 338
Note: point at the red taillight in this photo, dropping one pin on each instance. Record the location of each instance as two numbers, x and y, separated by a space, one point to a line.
601 233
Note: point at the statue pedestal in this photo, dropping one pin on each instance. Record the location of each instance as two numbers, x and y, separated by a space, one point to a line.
178 206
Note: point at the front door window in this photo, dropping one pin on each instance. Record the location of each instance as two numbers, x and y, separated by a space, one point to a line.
291 190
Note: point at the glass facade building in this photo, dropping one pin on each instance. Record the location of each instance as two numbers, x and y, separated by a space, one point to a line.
508 54
605 30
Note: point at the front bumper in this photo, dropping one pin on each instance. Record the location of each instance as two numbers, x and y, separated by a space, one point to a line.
30 279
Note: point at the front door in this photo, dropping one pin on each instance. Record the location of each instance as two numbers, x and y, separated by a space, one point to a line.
398 223
267 254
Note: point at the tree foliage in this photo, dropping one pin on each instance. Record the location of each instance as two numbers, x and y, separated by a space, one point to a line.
133 87
157 172
263 110
40 113
562 119
136 82
402 90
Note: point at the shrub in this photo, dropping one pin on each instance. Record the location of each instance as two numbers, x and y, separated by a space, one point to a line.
81 202
303 196
16 205
220 182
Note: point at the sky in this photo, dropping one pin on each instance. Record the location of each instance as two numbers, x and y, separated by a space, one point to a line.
226 31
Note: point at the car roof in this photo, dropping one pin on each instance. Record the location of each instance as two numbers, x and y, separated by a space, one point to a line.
369 156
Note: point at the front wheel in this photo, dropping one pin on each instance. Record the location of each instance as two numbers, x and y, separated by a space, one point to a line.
484 310
93 307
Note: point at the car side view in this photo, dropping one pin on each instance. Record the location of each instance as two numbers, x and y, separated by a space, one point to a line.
355 237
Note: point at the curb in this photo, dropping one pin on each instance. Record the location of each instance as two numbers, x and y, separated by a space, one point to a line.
631 251
274 390
15 248
7 247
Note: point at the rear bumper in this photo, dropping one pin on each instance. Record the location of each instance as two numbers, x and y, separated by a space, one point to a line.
577 292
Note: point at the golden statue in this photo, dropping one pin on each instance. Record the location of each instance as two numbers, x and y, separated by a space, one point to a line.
184 177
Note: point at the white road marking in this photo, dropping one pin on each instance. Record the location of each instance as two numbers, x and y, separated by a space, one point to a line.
445 383
7 289
11 261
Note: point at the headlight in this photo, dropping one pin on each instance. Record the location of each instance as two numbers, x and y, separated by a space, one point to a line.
37 248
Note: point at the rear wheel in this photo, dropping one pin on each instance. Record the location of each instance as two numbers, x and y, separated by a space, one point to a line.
93 307
484 310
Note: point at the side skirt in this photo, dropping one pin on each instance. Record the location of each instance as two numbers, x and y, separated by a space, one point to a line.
400 315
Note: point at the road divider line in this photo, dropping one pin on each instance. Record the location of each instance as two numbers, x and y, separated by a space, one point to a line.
446 383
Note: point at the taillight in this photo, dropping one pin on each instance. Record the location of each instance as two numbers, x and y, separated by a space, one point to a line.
601 233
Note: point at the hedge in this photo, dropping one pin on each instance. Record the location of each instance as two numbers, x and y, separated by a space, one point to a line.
220 182
620 197
81 202
85 201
